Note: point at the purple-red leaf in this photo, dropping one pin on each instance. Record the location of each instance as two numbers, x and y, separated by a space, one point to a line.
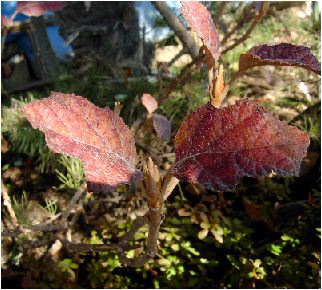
283 54
37 8
97 136
162 126
217 147
149 102
200 21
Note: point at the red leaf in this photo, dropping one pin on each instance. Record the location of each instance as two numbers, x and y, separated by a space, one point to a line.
162 126
149 102
6 22
37 8
283 54
199 19
217 147
97 136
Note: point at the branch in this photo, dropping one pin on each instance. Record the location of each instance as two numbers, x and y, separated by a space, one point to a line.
28 229
234 77
137 224
256 20
73 202
181 77
177 56
246 17
156 189
80 247
178 28
219 12
73 34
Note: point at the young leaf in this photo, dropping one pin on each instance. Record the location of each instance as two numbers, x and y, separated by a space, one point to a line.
97 136
162 126
217 147
283 54
200 21
37 8
149 102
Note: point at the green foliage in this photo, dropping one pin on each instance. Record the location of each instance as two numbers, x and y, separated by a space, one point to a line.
20 208
51 207
94 87
69 267
181 103
312 125
72 174
23 137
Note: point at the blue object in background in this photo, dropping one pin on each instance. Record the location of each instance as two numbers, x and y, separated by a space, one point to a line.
8 8
61 49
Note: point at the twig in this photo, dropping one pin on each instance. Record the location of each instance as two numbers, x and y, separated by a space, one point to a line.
177 56
34 228
7 203
73 202
234 77
181 77
137 224
44 227
239 24
256 20
80 247
219 12
85 28
155 196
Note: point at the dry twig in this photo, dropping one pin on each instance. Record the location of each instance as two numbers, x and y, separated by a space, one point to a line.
7 203
256 20
157 190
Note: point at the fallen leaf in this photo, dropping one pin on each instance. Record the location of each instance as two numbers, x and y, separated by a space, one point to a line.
217 147
203 234
183 212
217 232
200 21
162 126
97 136
283 54
149 102
253 210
